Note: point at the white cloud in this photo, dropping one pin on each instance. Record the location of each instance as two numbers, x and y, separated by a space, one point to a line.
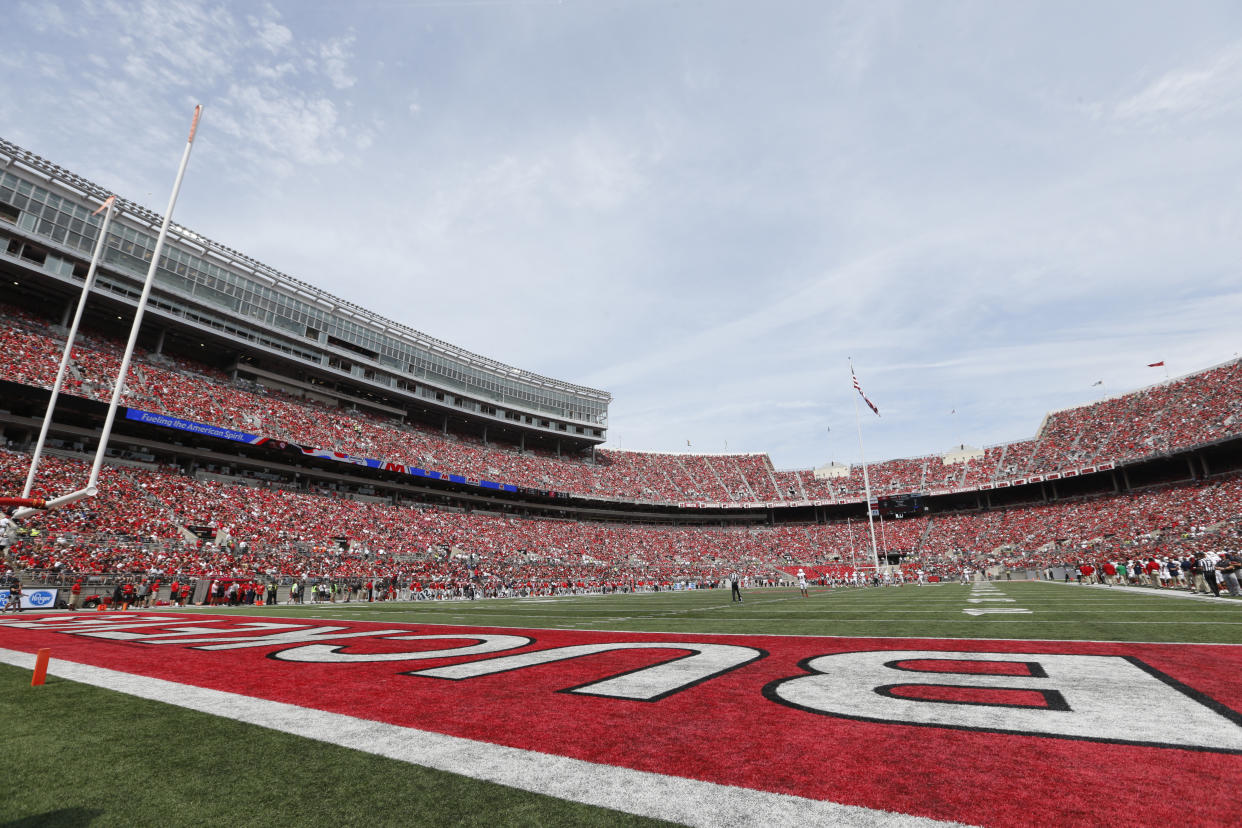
1200 91
336 56
293 129
595 172
274 94
274 36
43 16
274 71
857 27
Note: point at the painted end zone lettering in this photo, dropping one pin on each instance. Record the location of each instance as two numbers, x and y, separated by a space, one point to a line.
646 683
328 654
862 722
1086 697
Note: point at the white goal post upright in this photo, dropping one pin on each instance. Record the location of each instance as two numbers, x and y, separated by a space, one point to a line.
108 208
118 387
883 537
849 527
875 555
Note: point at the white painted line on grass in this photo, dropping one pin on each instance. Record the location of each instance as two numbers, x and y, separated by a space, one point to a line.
997 611
1149 591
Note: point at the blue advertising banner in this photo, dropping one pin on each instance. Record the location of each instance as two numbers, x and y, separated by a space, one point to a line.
32 598
190 425
223 433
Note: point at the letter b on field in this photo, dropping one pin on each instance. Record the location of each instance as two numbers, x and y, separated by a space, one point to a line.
1064 696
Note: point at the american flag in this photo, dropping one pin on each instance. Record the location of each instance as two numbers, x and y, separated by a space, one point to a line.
858 388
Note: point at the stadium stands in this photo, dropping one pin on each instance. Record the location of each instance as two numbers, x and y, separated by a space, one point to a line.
137 526
1198 409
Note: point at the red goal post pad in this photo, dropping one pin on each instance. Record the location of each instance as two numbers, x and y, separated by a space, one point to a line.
31 502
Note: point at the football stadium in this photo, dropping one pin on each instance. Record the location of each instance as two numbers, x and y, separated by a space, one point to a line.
297 488
271 557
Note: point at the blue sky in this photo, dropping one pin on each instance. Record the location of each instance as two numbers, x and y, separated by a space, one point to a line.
704 207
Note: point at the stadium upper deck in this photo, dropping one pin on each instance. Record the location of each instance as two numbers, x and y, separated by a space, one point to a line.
202 288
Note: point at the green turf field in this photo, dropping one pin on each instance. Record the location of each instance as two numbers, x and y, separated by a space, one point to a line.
89 756
1057 611
95 757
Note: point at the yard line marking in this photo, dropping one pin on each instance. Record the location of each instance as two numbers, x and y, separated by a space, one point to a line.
996 610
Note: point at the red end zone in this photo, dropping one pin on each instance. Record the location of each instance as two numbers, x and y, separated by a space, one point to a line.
985 732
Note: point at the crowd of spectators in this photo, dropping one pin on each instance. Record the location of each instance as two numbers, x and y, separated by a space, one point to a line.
144 522
1117 526
1190 411
1160 418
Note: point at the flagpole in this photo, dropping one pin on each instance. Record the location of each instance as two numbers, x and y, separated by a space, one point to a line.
875 557
108 208
119 387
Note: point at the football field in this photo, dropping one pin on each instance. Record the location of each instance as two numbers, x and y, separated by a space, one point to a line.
977 704
1056 611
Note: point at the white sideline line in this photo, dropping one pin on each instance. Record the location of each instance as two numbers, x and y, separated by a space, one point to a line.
687 801
1173 592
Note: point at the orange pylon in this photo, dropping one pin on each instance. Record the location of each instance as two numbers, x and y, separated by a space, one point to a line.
40 671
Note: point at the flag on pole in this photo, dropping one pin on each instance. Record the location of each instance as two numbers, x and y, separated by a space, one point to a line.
858 388
1159 364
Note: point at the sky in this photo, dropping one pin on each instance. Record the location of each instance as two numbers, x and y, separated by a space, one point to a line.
703 207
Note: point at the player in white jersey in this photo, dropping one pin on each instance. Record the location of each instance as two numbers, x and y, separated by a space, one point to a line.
802 584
